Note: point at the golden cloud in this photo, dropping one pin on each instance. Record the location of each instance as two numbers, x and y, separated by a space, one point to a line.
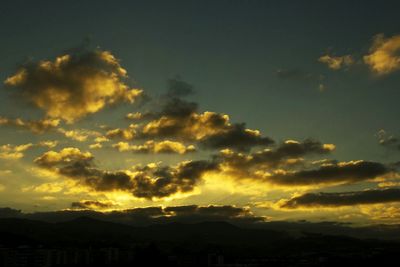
384 54
79 135
151 146
96 146
196 127
336 63
382 212
125 134
45 188
73 85
9 151
66 155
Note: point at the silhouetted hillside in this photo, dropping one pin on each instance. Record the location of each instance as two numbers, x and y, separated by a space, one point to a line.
87 230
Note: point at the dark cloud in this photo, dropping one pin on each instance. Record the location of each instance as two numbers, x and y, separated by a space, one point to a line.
342 172
212 213
274 157
178 108
150 212
224 211
343 198
108 181
388 141
294 149
91 204
143 182
288 155
35 126
178 88
150 215
164 181
73 85
236 137
171 104
391 142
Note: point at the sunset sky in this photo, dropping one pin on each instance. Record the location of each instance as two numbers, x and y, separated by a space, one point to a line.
285 110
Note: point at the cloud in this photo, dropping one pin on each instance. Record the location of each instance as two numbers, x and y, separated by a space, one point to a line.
44 188
96 146
156 181
35 126
79 135
9 151
142 216
73 85
383 212
65 156
226 211
79 166
174 118
151 181
151 146
124 134
101 139
146 212
134 116
13 152
343 198
287 154
384 55
336 63
48 143
195 213
92 204
236 136
163 181
178 88
342 172
388 141
212 130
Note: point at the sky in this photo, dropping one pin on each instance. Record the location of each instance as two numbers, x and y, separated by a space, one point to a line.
285 110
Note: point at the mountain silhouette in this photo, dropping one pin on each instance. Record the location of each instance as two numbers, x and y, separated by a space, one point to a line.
191 244
89 230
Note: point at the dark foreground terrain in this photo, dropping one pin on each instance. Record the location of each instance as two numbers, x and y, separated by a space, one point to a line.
91 242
